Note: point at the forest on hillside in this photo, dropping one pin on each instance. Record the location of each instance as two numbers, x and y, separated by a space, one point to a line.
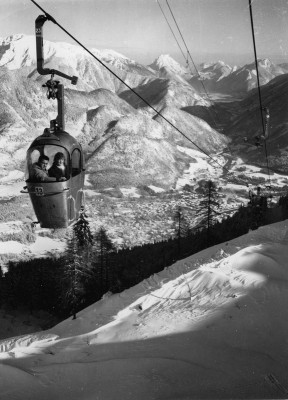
92 267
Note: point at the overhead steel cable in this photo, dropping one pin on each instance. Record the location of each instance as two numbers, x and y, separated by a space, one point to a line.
195 67
50 18
188 52
258 84
180 48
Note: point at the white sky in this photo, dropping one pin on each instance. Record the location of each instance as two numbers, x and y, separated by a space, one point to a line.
137 28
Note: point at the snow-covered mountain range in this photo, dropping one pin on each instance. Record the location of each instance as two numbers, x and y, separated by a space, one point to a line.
220 77
127 143
102 117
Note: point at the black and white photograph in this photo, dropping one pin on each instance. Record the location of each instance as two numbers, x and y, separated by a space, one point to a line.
143 199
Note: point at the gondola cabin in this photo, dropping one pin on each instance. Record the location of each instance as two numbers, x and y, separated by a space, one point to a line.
55 168
56 203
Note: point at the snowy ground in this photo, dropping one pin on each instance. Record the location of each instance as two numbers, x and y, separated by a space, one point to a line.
9 190
199 169
211 326
43 246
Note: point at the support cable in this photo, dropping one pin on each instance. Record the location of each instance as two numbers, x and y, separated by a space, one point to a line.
258 86
195 67
171 30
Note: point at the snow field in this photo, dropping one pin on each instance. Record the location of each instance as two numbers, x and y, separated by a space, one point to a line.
210 326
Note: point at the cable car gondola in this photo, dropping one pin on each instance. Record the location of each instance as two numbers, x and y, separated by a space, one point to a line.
56 198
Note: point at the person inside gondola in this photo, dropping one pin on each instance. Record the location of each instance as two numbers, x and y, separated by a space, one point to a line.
39 170
58 169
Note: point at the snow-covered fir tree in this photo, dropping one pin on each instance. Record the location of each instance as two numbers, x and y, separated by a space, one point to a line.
76 266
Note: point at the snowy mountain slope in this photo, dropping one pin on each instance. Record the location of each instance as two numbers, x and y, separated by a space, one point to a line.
80 112
25 112
165 63
134 152
96 98
247 124
144 150
164 92
121 62
241 122
18 51
25 108
99 120
217 115
209 76
210 326
267 71
96 116
91 116
216 71
166 67
194 128
245 79
220 77
284 66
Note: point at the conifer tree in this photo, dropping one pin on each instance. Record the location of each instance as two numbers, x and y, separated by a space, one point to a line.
181 227
207 208
82 230
76 266
103 249
84 236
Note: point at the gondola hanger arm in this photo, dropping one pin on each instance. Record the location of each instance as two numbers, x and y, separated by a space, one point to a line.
40 20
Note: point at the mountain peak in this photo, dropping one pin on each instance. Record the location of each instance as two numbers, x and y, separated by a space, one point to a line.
11 38
165 61
214 65
265 62
17 51
109 54
262 62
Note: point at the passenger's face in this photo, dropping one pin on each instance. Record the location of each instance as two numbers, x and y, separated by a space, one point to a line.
60 162
43 165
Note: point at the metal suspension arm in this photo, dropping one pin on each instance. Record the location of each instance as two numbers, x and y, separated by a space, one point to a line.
39 51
